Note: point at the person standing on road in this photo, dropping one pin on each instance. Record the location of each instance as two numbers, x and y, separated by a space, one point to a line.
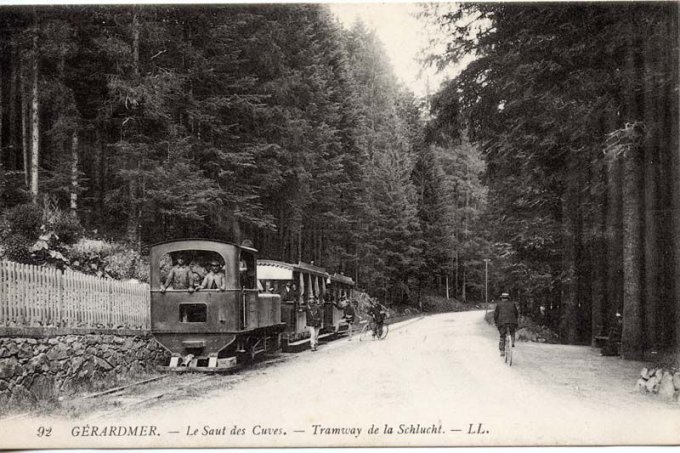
611 347
314 322
349 313
377 312
506 316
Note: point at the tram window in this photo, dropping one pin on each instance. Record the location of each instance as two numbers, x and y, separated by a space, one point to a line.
181 269
193 313
270 286
265 286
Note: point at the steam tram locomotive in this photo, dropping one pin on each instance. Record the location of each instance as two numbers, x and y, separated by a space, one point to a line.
218 324
298 284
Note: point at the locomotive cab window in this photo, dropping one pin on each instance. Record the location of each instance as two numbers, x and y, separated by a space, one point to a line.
190 270
193 313
247 272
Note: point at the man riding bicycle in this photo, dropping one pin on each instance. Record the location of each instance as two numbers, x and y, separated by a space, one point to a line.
377 313
506 316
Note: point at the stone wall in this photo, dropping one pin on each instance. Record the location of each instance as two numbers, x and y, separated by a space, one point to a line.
44 363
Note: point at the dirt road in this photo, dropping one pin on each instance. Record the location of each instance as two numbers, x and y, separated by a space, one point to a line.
434 381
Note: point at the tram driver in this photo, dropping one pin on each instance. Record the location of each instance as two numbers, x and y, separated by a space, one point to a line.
215 278
179 277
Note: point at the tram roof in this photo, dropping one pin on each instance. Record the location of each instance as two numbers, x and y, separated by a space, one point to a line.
312 269
203 241
342 279
300 267
274 263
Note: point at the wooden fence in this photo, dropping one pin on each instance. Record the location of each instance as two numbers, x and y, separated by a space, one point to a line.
38 296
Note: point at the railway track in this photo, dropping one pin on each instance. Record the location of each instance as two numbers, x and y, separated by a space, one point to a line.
92 396
122 388
172 387
127 402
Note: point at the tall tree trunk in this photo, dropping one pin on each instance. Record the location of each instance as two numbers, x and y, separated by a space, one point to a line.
280 235
580 320
11 165
299 243
675 149
598 250
101 178
651 259
13 142
135 41
632 339
614 238
456 235
465 230
456 276
35 121
598 263
236 230
568 283
675 152
24 127
74 174
134 217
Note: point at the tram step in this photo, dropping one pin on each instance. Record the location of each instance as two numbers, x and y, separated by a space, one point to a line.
296 346
327 336
301 345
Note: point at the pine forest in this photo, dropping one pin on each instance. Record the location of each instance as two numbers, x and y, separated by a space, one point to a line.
549 166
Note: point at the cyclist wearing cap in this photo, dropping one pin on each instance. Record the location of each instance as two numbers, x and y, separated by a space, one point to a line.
506 316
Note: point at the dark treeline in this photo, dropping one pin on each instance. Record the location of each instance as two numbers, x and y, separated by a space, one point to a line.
575 107
269 123
554 153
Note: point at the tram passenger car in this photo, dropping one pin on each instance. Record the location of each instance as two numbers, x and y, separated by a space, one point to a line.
212 327
306 282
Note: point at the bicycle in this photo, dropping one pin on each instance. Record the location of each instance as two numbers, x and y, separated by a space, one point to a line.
508 347
370 327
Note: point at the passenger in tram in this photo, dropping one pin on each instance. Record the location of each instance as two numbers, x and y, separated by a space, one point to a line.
215 278
288 294
179 277
340 303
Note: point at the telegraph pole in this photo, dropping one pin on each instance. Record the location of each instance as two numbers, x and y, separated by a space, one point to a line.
486 284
